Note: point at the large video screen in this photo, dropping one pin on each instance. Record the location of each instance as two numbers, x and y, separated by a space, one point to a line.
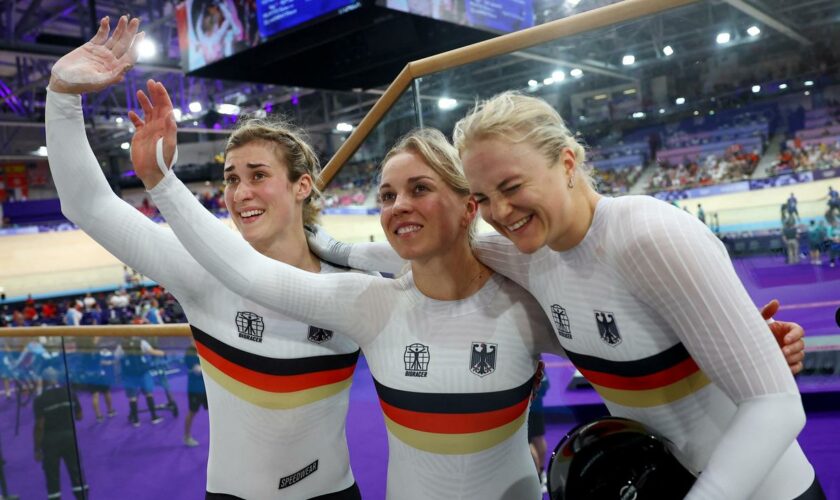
501 16
210 30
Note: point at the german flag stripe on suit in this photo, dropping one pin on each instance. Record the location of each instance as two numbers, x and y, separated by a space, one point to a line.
454 423
656 380
271 382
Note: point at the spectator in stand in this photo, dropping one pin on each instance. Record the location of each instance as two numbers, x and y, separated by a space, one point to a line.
152 314
49 312
30 313
701 214
88 301
73 316
790 235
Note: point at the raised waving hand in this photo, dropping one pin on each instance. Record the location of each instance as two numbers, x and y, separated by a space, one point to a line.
101 62
157 124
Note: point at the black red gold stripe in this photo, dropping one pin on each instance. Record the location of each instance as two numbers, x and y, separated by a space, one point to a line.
454 423
656 380
274 383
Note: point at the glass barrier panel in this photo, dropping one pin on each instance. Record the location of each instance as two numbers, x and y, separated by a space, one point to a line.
701 107
351 210
144 409
39 457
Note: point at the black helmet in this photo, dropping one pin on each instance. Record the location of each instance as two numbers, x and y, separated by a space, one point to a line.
616 458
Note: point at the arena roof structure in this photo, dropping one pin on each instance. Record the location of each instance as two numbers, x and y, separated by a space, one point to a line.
684 53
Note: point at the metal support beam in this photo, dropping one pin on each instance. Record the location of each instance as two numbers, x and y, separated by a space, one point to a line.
23 24
769 20
591 66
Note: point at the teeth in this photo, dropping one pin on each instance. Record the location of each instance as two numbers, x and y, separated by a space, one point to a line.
408 229
251 213
516 225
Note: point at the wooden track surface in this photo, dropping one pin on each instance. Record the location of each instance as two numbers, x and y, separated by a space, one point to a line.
71 260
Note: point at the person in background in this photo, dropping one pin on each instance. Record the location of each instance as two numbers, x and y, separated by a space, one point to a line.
791 206
136 378
73 316
54 437
536 431
790 235
196 392
816 236
833 235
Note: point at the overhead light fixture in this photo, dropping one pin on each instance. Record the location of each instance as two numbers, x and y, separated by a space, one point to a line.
679 100
125 146
807 92
228 109
628 60
146 50
344 127
753 31
638 114
447 103
629 91
576 73
558 76
723 38
195 123
548 81
696 113
756 89
118 119
782 86
668 50
809 83
176 113
533 83
661 111
600 97
711 112
195 107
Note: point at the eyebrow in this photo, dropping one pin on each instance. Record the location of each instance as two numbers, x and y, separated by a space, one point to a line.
410 180
249 165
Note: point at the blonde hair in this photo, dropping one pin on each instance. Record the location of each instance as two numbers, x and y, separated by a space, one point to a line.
520 118
436 152
292 150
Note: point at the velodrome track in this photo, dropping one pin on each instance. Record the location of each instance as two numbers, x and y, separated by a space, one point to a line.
52 261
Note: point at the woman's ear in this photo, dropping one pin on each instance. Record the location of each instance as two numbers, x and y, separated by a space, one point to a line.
303 187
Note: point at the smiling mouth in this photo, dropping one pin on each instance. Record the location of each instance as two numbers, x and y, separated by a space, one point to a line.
250 215
518 224
408 229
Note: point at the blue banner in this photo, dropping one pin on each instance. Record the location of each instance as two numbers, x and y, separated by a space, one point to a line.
827 174
782 180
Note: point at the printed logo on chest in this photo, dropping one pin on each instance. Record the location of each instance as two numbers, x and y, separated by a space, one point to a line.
483 358
250 326
416 358
607 328
561 321
319 335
